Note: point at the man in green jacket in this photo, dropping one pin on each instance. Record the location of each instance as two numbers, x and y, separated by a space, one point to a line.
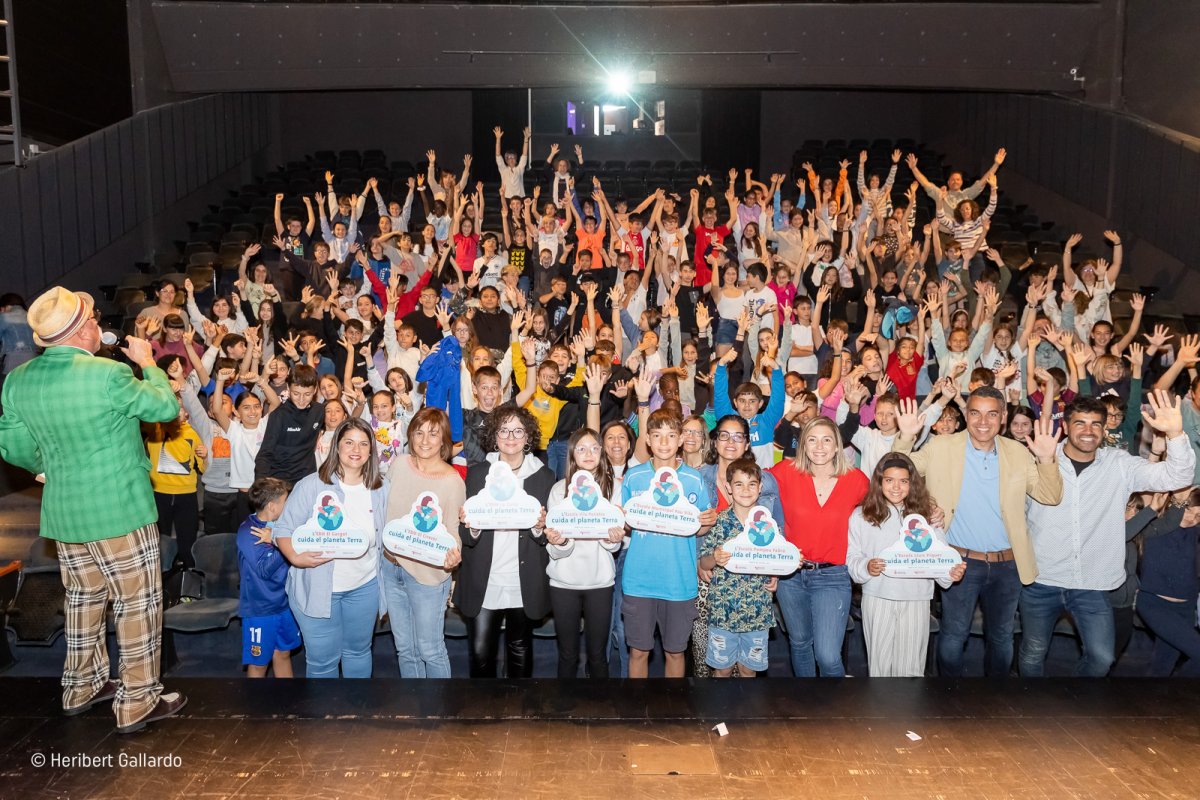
76 418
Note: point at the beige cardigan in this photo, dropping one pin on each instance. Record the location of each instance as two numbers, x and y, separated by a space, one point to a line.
942 461
406 485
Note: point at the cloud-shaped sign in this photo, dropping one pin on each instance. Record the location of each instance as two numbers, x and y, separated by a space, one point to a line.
919 553
663 508
761 549
328 533
421 533
585 513
503 503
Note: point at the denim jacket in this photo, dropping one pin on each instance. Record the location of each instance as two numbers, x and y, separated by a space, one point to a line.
312 589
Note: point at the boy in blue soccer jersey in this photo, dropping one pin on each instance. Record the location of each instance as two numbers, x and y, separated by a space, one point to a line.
659 579
269 631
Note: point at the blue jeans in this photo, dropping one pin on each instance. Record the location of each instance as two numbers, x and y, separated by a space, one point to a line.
616 630
418 618
556 457
342 638
998 587
1041 606
815 604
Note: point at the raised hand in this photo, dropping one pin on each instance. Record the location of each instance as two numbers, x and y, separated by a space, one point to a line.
1137 355
643 386
1073 240
1189 350
909 419
1044 442
1167 416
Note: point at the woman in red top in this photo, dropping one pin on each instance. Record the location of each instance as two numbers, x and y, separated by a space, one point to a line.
819 490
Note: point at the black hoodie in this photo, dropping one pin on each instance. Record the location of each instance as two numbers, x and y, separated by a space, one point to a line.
289 443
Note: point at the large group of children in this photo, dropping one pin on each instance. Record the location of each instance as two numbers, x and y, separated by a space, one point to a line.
748 335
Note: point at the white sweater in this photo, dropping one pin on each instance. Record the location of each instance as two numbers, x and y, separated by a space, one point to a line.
867 541
582 563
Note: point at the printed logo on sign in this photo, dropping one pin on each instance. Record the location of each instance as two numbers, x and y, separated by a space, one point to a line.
330 516
917 537
760 549
328 532
663 508
585 513
503 504
918 553
584 494
420 534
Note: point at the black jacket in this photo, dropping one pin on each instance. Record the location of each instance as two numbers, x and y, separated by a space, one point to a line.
289 442
472 582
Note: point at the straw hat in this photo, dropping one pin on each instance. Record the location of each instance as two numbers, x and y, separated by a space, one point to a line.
57 314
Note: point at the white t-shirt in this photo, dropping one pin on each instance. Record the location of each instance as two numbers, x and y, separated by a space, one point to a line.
637 303
490 276
244 445
351 573
805 365
756 299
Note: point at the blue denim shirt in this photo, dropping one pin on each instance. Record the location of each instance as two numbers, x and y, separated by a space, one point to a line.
16 339
312 589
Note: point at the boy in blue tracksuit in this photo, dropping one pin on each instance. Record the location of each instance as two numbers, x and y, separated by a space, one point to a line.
747 401
269 631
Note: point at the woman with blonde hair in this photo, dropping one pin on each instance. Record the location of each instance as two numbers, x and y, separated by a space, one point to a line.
819 490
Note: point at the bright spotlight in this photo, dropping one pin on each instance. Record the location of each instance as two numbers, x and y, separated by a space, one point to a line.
619 82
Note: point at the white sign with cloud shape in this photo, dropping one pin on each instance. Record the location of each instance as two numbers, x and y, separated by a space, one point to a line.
761 549
663 508
421 533
503 503
919 553
328 533
585 513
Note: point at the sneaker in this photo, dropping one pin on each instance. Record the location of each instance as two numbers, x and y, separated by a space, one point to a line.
169 704
106 694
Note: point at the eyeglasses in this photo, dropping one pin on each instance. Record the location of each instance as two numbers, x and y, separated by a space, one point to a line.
726 436
692 433
584 450
510 433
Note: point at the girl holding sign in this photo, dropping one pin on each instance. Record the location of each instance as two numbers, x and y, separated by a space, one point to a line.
417 592
336 601
895 611
582 571
502 581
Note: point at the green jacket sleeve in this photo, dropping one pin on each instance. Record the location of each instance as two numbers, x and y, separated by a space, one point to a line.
148 400
17 445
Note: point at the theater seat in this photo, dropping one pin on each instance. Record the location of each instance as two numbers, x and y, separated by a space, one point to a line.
216 560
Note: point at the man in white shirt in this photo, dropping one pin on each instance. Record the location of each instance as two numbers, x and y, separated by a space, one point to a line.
512 170
1080 542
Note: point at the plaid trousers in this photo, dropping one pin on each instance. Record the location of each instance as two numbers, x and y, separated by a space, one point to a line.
126 569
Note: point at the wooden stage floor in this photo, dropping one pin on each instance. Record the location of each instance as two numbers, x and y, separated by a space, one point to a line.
786 738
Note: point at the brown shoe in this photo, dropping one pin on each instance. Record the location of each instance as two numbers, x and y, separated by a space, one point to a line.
169 705
107 694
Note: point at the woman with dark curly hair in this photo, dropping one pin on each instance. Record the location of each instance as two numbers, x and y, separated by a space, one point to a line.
502 581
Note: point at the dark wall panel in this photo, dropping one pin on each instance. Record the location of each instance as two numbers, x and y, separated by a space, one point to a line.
299 46
1087 156
68 204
